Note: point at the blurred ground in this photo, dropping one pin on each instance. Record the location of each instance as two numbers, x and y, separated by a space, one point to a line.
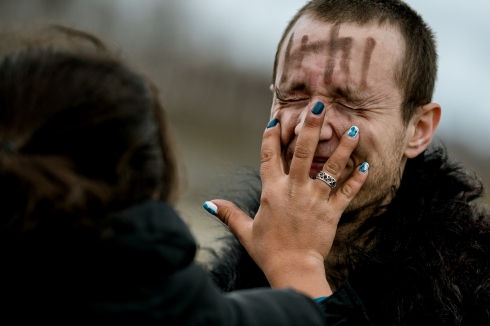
217 111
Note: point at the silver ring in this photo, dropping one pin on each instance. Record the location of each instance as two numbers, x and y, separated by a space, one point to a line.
327 178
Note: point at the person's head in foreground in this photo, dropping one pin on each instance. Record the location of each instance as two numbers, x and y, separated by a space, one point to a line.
82 136
413 245
79 132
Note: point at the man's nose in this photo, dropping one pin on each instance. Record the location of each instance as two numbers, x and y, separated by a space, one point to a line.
327 131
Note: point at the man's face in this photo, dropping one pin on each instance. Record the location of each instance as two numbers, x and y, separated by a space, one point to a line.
350 69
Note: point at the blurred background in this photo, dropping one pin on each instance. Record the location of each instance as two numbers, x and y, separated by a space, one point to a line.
212 60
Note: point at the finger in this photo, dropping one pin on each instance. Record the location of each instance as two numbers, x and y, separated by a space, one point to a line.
271 167
337 162
239 223
342 198
307 142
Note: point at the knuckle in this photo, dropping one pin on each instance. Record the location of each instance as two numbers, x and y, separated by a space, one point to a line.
265 200
227 217
302 152
347 190
266 155
333 166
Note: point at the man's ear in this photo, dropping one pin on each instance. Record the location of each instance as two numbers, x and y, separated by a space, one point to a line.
421 129
271 87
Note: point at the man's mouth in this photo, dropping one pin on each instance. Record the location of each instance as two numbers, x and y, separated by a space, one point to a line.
317 165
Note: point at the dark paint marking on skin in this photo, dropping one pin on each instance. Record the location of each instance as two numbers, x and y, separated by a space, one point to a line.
332 49
368 52
331 46
287 59
298 55
315 47
346 46
302 52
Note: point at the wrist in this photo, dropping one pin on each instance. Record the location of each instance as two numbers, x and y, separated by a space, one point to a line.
306 276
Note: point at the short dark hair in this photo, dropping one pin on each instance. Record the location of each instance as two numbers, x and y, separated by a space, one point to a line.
417 73
86 134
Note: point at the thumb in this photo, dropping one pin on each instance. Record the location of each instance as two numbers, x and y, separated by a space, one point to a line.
240 224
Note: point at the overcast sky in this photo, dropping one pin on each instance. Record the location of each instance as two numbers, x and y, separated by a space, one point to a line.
247 31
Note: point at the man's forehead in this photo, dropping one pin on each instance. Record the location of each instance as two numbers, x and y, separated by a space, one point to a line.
318 31
344 52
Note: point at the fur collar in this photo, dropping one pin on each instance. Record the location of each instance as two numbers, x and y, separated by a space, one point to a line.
430 258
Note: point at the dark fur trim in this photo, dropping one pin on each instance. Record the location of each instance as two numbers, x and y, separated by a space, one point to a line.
430 262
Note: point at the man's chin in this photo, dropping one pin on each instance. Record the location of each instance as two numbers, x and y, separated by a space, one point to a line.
367 203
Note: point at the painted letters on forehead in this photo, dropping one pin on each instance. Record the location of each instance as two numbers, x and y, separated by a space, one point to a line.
330 47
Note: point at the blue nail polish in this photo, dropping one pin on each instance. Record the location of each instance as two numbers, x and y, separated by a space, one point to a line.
272 123
210 207
364 167
318 108
320 299
353 131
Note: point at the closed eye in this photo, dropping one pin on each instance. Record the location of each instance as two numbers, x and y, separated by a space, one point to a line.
289 97
348 107
291 100
285 101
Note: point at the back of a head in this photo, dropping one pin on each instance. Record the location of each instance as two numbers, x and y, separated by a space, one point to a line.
416 74
81 134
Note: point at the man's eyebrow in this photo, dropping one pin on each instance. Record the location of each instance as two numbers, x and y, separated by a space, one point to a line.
348 93
351 94
282 90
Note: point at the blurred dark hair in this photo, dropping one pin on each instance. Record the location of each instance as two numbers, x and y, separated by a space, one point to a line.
416 73
81 134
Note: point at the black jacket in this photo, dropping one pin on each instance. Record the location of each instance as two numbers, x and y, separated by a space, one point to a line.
142 272
428 260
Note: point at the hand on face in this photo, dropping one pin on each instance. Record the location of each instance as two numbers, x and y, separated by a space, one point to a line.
295 226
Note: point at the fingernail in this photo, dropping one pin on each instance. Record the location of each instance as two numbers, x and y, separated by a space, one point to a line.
210 207
364 167
318 108
271 124
353 131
